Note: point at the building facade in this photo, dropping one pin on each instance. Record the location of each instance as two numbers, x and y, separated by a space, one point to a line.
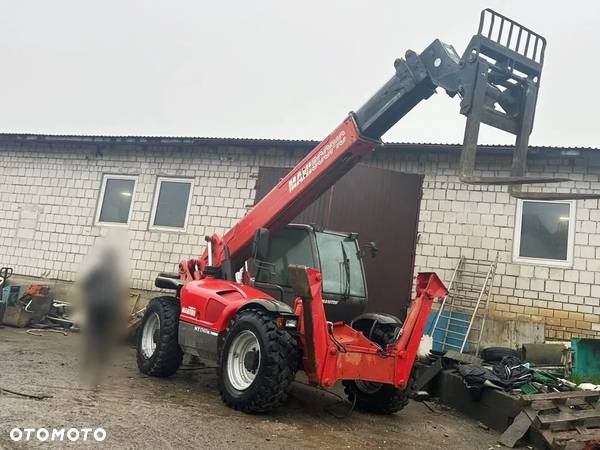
59 194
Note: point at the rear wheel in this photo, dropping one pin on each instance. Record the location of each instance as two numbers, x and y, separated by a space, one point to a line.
257 363
158 350
378 397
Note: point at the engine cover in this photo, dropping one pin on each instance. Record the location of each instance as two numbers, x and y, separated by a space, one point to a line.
211 302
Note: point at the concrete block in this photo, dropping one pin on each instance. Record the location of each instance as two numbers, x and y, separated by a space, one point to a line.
583 290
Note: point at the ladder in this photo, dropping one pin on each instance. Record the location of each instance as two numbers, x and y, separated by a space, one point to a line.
460 320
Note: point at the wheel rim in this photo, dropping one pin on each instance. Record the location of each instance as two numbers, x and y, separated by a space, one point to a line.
150 334
368 387
244 347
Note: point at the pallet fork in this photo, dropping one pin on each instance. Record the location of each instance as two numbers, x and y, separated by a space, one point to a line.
500 76
497 79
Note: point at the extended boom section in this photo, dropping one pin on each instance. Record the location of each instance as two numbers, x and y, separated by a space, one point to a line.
497 79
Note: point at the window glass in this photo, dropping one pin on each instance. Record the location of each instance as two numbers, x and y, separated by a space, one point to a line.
289 246
340 265
116 201
545 230
172 204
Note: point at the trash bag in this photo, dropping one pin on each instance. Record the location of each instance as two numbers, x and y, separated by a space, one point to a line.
476 377
509 373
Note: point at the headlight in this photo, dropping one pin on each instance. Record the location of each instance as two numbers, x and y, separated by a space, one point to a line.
288 322
291 323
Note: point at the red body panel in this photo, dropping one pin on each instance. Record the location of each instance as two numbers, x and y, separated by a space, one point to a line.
342 353
212 302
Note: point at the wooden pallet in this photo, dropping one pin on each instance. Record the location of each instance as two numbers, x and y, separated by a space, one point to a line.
566 420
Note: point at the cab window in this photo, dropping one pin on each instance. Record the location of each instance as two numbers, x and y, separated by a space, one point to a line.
340 265
289 246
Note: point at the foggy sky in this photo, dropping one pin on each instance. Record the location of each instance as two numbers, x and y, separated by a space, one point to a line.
267 69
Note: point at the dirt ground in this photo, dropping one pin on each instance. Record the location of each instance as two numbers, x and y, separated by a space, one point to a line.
185 411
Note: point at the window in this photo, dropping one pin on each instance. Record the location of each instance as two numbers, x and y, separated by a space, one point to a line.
116 197
289 246
544 232
171 204
340 264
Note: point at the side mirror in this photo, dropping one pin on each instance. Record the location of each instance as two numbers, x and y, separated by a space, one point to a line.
260 244
372 247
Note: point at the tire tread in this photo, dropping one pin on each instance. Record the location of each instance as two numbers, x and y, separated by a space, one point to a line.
169 355
281 364
388 399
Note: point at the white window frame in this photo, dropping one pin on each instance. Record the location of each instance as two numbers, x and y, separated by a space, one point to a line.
159 181
541 261
105 178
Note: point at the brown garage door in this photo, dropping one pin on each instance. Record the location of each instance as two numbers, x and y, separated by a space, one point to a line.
381 206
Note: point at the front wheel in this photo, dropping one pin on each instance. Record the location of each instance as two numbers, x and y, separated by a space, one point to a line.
257 363
158 350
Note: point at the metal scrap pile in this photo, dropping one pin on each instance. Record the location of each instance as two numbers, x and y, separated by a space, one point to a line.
532 388
34 308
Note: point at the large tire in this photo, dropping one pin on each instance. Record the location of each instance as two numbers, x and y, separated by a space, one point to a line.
158 350
378 398
257 363
492 354
385 334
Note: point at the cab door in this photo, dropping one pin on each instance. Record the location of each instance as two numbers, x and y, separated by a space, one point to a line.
292 245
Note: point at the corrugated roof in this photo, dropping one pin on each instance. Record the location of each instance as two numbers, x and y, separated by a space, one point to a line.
156 140
251 142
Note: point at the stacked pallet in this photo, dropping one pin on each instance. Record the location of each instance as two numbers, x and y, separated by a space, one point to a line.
565 420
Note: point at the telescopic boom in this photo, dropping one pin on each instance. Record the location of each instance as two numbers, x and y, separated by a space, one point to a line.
497 79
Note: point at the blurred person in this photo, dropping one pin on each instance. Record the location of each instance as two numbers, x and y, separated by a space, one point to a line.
104 295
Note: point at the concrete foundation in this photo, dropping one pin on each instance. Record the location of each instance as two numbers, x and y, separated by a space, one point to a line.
497 332
512 333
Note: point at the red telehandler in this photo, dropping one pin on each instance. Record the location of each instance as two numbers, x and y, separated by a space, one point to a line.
301 300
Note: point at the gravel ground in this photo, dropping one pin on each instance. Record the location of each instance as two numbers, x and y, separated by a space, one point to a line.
185 411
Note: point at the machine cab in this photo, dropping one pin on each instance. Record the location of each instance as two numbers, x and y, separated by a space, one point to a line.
336 255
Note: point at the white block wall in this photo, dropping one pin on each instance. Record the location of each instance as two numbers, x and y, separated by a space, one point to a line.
478 222
49 195
49 198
